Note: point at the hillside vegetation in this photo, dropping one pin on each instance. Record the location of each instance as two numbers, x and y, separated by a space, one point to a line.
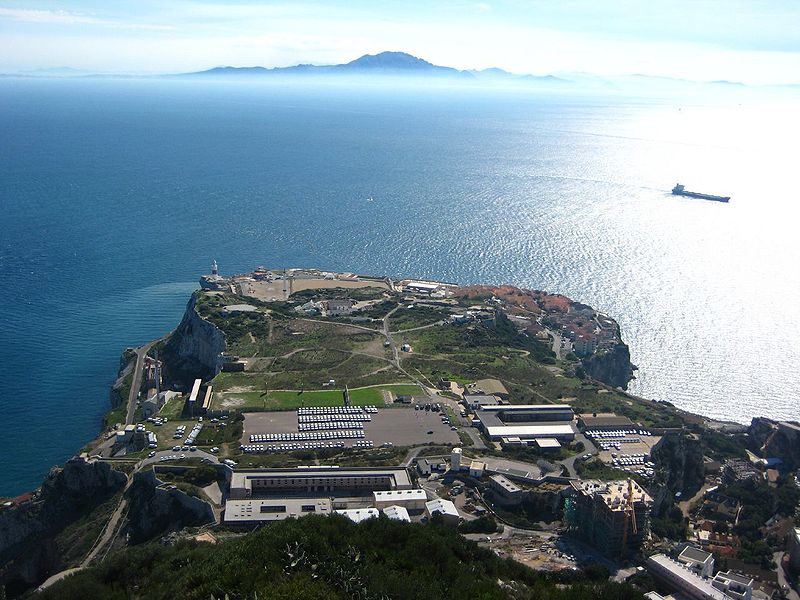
328 557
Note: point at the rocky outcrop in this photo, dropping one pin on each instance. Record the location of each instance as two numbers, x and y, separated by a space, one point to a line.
195 347
776 439
156 511
679 468
28 553
610 366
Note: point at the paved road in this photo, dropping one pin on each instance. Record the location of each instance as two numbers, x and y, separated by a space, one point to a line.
569 463
136 384
189 454
791 594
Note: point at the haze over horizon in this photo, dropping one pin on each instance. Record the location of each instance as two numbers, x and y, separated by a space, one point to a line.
754 44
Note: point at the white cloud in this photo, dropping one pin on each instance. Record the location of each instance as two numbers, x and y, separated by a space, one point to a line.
63 17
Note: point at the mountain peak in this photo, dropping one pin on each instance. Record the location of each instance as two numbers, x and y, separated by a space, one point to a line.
391 60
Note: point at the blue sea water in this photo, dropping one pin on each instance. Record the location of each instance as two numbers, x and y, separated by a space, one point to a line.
116 195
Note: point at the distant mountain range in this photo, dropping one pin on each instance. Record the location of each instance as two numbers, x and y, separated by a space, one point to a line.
385 63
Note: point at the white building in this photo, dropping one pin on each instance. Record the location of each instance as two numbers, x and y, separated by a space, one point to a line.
699 562
445 508
357 515
409 499
253 512
397 513
476 468
682 579
455 459
739 587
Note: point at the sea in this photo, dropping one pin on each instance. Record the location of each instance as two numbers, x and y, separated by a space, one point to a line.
116 195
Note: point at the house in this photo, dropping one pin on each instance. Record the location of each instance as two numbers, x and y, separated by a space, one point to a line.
339 308
444 508
426 466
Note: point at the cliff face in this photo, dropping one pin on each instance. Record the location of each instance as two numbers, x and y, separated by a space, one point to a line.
195 347
612 367
156 511
28 552
776 439
679 468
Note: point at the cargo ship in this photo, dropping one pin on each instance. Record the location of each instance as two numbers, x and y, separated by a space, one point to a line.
679 190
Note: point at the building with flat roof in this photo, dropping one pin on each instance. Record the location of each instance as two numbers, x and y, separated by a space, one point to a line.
508 491
410 499
698 561
254 511
475 401
446 509
397 513
476 468
357 515
681 579
527 421
316 480
547 444
738 587
427 465
612 516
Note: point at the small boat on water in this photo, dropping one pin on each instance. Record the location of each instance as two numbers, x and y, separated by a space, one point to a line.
680 190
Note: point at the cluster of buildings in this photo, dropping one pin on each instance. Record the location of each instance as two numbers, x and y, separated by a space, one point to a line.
358 493
691 575
587 329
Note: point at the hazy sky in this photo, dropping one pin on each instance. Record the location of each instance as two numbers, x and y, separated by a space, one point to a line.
756 41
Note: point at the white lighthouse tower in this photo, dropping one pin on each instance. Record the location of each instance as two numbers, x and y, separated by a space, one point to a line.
214 269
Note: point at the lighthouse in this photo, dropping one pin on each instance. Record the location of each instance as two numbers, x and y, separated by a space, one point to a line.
214 269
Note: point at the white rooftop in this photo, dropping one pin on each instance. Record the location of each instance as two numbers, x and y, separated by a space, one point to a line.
359 514
397 513
274 509
525 431
687 577
443 506
394 495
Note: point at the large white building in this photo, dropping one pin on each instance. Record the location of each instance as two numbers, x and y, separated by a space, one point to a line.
409 499
255 511
317 480
397 513
527 421
681 578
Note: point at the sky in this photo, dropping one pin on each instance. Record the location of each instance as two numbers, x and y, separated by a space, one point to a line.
752 41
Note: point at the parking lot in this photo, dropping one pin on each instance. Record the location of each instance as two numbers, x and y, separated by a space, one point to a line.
626 449
401 426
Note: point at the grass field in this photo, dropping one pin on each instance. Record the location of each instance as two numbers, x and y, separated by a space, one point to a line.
291 399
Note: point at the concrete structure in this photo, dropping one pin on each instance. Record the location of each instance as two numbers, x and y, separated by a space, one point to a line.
253 512
397 513
738 587
547 444
476 468
356 515
421 287
445 508
603 515
339 308
409 499
475 401
681 579
527 421
331 481
455 459
509 492
426 466
697 561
